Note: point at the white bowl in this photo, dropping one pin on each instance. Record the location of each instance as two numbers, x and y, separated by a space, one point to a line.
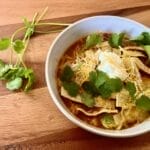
68 37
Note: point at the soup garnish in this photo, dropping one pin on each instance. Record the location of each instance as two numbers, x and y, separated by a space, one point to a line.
103 79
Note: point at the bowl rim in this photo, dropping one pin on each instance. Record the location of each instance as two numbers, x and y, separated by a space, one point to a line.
72 117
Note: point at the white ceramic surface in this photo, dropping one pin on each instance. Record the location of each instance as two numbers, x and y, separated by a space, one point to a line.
68 37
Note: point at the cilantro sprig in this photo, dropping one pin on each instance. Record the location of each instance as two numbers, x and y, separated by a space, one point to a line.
17 75
93 39
100 84
87 99
130 87
107 121
144 40
143 103
69 85
115 39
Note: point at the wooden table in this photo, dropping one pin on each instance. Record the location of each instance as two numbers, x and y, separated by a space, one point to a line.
32 121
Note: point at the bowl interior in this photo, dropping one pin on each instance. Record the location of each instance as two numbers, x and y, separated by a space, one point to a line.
68 37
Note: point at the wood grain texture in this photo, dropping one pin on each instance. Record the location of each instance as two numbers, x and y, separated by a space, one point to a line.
77 139
28 116
32 121
11 11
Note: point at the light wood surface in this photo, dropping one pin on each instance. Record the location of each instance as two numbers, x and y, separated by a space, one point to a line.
32 121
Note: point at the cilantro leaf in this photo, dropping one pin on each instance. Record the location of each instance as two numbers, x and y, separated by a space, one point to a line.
101 78
67 74
87 99
14 84
131 88
114 84
10 74
4 43
104 91
89 87
93 76
110 86
30 28
143 103
18 46
116 39
29 75
93 40
98 78
100 84
107 121
71 87
143 39
4 69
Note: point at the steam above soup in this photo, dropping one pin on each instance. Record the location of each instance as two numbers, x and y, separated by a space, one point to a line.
104 79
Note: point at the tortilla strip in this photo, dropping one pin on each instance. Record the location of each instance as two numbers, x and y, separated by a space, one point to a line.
123 99
134 48
141 66
134 53
96 113
66 95
99 102
118 120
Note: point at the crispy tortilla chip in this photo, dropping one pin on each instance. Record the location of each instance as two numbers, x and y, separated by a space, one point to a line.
118 120
133 115
108 104
134 53
133 71
142 66
123 99
99 102
66 95
134 48
96 113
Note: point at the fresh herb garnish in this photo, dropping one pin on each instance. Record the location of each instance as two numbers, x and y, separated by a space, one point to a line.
100 84
67 74
18 75
114 84
89 87
87 99
143 38
71 87
14 84
130 87
98 78
104 91
93 40
107 120
4 43
18 46
115 40
143 103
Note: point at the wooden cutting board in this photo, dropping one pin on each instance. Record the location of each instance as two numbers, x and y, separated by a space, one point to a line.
32 121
